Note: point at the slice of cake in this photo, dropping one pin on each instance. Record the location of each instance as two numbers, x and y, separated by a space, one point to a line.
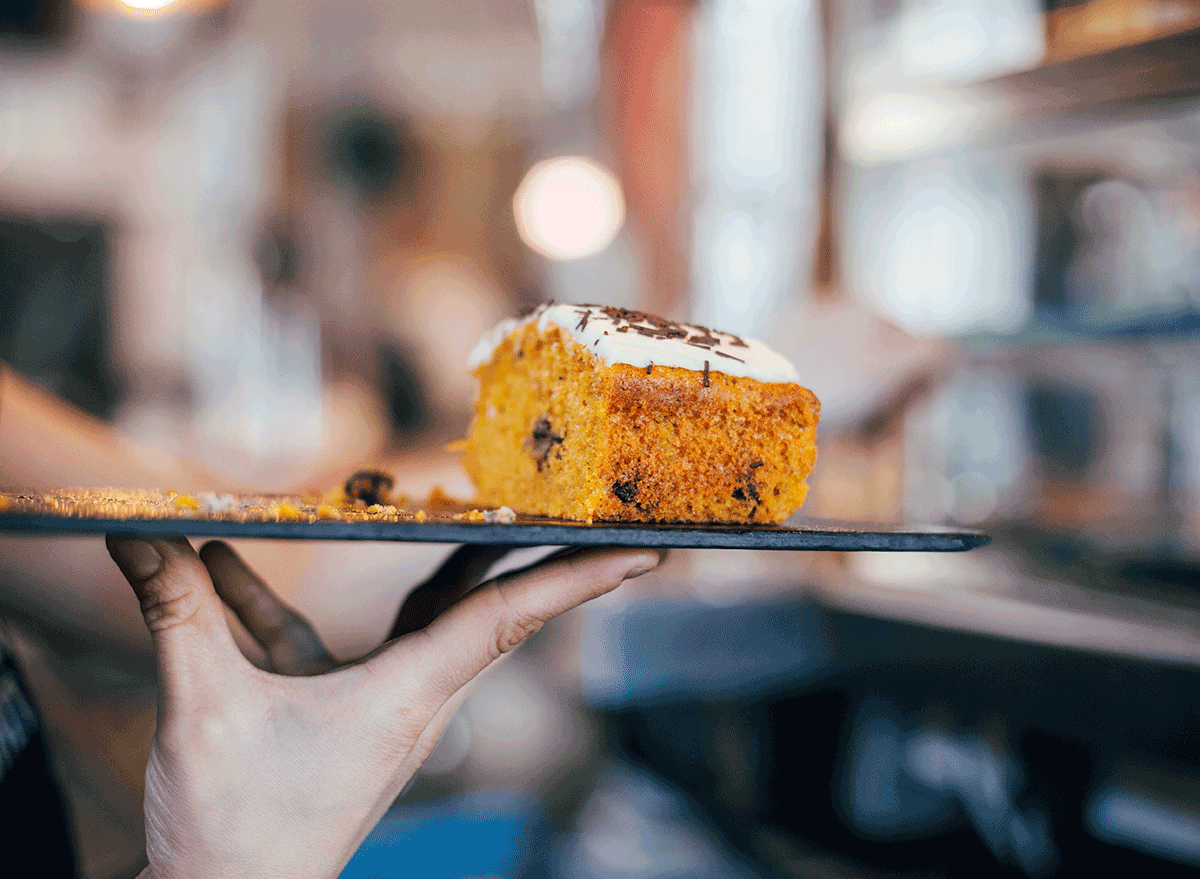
593 413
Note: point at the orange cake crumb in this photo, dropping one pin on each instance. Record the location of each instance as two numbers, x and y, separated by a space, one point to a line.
287 513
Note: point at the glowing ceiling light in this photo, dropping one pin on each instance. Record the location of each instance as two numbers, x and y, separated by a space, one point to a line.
146 6
569 208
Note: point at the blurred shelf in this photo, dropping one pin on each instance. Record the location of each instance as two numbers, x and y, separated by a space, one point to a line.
1049 329
1117 86
783 631
1163 68
996 593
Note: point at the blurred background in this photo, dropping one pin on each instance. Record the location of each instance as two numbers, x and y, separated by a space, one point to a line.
262 237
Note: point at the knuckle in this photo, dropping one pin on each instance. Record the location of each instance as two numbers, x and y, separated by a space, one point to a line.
513 624
512 631
166 608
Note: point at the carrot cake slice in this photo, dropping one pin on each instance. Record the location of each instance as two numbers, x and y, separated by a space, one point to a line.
597 413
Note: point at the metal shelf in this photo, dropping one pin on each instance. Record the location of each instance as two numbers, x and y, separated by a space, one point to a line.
1119 86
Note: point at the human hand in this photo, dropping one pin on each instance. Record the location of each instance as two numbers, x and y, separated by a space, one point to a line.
253 773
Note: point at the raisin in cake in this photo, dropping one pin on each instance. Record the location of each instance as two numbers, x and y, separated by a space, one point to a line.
594 413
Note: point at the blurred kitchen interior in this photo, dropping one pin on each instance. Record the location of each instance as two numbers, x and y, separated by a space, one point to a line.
264 236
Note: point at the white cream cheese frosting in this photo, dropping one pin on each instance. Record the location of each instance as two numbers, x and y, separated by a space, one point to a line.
642 340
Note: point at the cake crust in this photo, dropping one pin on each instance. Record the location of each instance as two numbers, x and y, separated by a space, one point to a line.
557 431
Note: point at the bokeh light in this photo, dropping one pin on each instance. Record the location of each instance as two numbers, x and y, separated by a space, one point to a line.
147 6
569 208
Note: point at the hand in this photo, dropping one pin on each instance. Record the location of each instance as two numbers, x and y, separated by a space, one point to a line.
252 773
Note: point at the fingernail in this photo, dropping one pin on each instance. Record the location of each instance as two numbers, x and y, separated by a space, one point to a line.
137 559
638 571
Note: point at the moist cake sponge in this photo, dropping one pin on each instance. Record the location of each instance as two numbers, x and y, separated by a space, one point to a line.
594 413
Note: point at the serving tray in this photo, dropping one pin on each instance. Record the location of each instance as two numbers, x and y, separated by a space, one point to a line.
298 518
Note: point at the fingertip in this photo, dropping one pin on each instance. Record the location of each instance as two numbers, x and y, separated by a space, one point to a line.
627 564
214 546
642 564
137 559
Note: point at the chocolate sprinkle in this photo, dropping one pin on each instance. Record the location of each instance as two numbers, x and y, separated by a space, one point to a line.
752 490
369 486
626 492
649 367
627 321
542 441
729 356
706 383
754 465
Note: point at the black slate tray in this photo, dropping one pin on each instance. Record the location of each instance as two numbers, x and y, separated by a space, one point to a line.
795 534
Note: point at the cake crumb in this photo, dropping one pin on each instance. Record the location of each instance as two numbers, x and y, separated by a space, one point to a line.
287 512
501 516
211 502
438 500
325 511
336 498
420 516
187 501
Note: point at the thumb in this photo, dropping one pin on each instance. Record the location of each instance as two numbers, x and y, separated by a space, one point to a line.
181 609
499 615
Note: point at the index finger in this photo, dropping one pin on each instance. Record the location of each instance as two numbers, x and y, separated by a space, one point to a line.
464 569
290 642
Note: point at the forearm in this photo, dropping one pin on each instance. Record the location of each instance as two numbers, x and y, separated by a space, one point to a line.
69 586
46 443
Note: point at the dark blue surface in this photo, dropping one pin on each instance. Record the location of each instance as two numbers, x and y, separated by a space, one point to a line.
796 534
489 835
